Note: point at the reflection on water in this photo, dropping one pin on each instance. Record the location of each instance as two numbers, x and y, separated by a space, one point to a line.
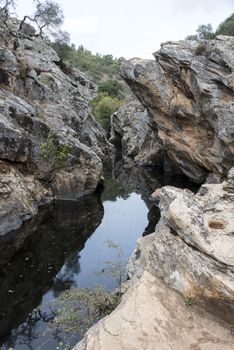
35 255
146 180
46 256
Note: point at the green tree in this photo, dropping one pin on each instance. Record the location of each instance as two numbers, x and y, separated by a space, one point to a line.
226 27
61 45
205 31
47 16
103 107
112 88
191 37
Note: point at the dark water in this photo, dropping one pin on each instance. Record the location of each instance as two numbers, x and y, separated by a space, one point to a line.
65 245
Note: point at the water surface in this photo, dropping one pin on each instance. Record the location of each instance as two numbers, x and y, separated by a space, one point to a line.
62 248
65 245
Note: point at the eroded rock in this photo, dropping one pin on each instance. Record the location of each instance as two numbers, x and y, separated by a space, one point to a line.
192 248
191 252
152 316
189 94
46 129
133 134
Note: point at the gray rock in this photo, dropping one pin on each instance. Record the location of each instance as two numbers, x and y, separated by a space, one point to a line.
46 129
133 133
188 91
192 248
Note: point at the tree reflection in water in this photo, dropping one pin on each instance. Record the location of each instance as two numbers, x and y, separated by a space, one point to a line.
32 256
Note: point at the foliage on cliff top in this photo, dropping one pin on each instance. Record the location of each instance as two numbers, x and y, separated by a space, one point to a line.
226 27
47 16
205 31
98 67
104 71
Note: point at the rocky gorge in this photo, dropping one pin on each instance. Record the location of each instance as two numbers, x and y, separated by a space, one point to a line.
181 118
181 289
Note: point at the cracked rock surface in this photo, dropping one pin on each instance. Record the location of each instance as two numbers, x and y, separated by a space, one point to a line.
50 145
133 133
152 316
181 292
188 91
192 247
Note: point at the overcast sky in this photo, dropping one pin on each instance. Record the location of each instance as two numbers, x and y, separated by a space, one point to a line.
135 28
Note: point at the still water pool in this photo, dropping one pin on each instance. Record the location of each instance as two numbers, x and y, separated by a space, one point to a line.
64 247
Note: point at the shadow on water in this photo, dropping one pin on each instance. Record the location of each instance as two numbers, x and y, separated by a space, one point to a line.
145 180
32 256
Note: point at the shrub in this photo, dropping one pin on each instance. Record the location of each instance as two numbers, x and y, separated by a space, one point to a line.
112 88
103 107
52 150
77 310
226 27
201 50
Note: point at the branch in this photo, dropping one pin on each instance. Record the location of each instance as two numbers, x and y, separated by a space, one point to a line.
23 21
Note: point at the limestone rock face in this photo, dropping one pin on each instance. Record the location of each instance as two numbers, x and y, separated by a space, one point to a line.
46 130
133 133
191 252
188 91
152 316
192 248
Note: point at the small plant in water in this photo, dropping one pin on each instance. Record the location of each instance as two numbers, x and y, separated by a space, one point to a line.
190 301
116 268
76 310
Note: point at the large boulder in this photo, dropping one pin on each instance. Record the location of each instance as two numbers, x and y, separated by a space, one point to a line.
47 133
192 248
134 135
190 252
188 91
152 316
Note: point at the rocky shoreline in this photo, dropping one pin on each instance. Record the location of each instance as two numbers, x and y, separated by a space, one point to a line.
181 288
182 115
190 252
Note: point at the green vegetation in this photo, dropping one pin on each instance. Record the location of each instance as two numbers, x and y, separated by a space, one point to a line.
112 88
45 79
76 310
110 97
226 27
98 67
190 301
55 152
103 106
113 188
205 31
102 70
